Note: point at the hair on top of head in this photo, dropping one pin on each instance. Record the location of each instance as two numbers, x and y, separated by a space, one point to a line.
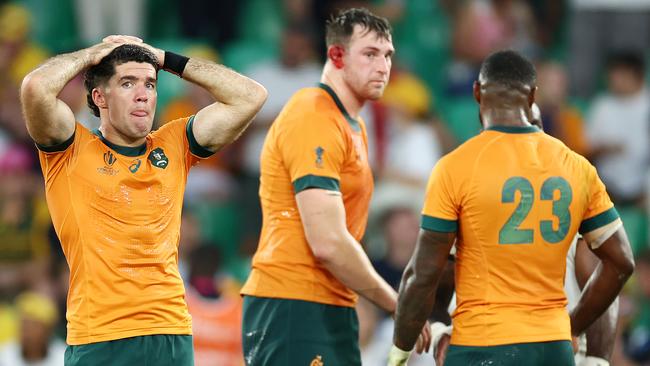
339 28
99 74
627 59
509 68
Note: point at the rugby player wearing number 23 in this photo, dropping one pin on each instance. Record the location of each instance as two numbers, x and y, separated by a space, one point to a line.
512 199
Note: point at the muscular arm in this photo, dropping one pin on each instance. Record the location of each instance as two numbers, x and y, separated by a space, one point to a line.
238 99
323 218
603 330
419 284
49 120
615 267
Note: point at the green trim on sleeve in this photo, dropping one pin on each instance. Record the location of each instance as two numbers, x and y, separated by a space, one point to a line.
315 181
599 220
58 147
441 225
195 148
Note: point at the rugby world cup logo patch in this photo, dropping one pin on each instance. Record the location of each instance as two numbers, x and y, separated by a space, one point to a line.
109 160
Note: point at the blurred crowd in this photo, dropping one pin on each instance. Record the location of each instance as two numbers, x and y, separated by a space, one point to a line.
591 58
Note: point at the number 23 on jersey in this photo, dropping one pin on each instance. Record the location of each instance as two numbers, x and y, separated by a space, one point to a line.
511 233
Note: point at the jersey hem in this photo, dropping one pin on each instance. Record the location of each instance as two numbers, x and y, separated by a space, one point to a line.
95 338
302 297
481 342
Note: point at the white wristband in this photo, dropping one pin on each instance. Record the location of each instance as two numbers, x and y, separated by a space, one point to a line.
398 357
594 361
437 330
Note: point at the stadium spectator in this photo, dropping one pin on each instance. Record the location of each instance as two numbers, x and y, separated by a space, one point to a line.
315 191
216 312
115 194
596 29
561 120
509 267
619 129
36 345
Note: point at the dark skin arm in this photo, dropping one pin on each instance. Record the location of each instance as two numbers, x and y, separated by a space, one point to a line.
615 267
603 330
419 284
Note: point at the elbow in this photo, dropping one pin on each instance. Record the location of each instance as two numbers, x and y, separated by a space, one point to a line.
30 86
323 252
258 96
626 268
323 248
261 96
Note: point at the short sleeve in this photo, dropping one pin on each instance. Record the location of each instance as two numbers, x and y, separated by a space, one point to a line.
179 133
440 212
313 149
54 158
600 209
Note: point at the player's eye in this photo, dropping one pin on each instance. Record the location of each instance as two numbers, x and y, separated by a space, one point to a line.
127 84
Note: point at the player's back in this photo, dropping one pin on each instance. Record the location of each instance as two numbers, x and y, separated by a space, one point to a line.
520 197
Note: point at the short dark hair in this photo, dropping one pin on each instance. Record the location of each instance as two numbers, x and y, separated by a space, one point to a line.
99 74
509 68
339 29
630 60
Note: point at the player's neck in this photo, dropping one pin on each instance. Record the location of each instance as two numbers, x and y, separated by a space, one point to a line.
512 117
347 97
113 136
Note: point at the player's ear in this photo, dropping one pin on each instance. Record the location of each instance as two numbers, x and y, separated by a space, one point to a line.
531 97
477 92
335 55
98 98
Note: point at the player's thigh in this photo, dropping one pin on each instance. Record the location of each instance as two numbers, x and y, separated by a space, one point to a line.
294 332
159 350
532 354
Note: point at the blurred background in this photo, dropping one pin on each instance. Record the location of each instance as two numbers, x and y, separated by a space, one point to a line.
591 58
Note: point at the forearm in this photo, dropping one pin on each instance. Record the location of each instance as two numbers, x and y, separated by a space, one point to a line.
350 265
238 99
52 76
599 293
416 299
226 86
601 333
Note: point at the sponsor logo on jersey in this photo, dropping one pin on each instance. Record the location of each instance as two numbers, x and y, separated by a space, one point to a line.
135 165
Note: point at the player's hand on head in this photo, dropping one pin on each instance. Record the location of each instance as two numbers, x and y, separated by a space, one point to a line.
97 52
120 38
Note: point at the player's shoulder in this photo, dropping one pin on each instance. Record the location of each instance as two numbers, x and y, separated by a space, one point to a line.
559 150
312 105
312 100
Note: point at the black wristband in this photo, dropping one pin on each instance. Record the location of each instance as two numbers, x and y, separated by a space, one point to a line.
175 63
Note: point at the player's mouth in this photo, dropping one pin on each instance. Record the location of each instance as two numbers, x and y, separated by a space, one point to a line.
140 113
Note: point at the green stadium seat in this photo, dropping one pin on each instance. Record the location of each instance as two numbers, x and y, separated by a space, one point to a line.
241 55
53 24
261 21
461 117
